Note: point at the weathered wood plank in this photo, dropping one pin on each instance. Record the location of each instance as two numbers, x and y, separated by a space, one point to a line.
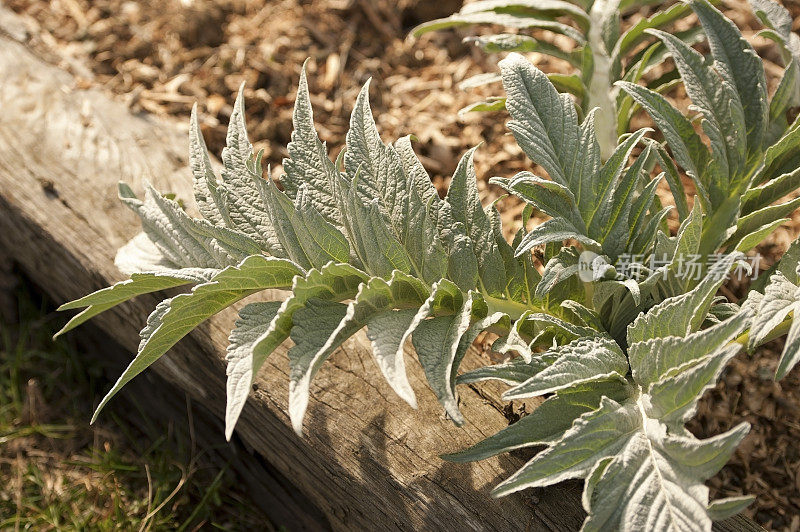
368 460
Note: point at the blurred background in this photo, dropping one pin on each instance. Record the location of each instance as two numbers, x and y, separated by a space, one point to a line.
160 57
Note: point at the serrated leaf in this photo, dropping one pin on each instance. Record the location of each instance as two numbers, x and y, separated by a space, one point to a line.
436 341
308 162
595 435
545 425
555 230
305 236
210 201
242 189
781 297
759 197
377 248
254 320
655 358
682 314
758 219
171 322
579 362
686 145
464 201
514 372
558 269
546 127
334 282
783 156
184 241
673 400
722 109
646 486
138 284
740 66
313 325
375 299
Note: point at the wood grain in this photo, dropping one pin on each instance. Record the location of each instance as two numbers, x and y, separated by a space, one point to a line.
367 460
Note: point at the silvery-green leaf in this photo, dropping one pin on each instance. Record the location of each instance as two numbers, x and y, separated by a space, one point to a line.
739 65
593 436
334 282
579 362
436 341
673 400
722 509
786 96
791 351
546 127
781 297
308 162
656 358
512 42
544 426
386 331
139 283
305 236
543 328
242 189
465 207
653 484
313 326
757 219
400 184
184 312
661 18
783 156
753 239
210 200
604 185
723 114
254 320
554 230
549 8
584 316
375 245
375 299
687 147
462 264
182 240
682 314
613 220
550 197
501 19
769 192
414 170
513 372
558 269
516 281
377 165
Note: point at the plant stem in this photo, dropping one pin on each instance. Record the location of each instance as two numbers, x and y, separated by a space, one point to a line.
602 92
514 309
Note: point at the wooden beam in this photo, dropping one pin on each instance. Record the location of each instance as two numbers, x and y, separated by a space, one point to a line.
367 460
